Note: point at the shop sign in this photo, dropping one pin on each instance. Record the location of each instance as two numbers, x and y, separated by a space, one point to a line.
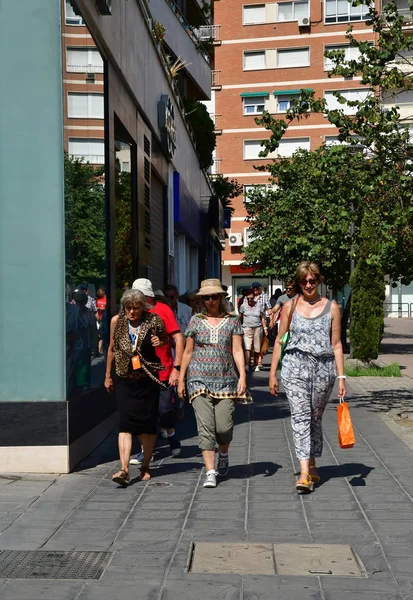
166 123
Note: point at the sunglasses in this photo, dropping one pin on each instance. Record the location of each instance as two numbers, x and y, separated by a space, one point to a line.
288 289
310 281
210 297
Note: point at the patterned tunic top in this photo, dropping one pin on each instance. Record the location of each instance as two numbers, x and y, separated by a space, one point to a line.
212 368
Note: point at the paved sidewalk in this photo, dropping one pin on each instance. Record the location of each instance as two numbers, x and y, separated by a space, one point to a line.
397 344
366 500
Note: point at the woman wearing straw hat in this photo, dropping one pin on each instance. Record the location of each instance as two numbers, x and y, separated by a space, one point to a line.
213 349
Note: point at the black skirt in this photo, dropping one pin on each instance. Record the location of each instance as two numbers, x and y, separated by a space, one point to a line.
138 404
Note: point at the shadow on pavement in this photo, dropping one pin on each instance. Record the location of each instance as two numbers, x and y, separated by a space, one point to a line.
385 400
357 471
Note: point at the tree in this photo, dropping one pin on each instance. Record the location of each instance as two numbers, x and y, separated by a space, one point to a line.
368 288
226 189
84 222
372 185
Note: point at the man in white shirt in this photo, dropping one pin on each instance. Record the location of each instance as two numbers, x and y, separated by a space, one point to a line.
182 312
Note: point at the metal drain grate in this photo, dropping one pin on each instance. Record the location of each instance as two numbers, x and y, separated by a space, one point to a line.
43 564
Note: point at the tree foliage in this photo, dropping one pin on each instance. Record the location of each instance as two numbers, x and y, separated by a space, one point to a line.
368 294
84 222
316 195
204 131
227 189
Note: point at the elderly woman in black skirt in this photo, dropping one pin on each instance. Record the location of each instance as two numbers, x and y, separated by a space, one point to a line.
134 334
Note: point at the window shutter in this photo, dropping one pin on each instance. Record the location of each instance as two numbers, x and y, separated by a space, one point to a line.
293 58
254 60
96 106
252 148
254 14
77 106
287 147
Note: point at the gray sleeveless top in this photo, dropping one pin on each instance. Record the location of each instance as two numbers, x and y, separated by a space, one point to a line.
311 335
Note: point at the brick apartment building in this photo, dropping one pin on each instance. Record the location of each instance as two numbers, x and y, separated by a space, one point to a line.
267 53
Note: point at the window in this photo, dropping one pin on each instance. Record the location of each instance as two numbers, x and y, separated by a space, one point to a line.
248 236
84 60
90 150
349 95
285 102
291 11
252 148
253 188
332 140
254 105
71 17
253 14
350 53
297 57
288 146
340 11
85 106
254 60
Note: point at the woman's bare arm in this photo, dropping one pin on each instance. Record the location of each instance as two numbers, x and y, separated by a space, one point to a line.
111 356
337 347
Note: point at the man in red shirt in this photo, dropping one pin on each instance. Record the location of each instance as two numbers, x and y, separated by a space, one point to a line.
170 374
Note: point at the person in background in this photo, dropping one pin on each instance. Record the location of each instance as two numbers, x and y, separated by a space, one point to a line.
213 349
229 305
313 357
169 375
254 326
91 302
275 296
134 336
182 311
101 302
191 299
87 330
273 326
72 336
263 302
290 292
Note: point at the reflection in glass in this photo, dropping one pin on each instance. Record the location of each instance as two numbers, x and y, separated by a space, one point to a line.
123 211
87 317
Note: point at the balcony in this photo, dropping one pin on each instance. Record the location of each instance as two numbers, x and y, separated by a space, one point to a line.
216 167
184 43
216 80
404 11
207 33
217 123
84 68
94 159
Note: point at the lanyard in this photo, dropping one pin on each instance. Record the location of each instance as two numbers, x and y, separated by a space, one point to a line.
134 336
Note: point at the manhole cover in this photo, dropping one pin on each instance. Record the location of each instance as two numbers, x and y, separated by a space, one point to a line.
281 559
233 558
41 564
338 560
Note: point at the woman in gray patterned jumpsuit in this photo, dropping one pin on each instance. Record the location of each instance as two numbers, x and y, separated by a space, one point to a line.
312 358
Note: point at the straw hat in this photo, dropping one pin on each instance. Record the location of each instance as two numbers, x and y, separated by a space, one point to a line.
211 286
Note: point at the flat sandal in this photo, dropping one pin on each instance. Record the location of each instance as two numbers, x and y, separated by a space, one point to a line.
122 479
145 474
304 484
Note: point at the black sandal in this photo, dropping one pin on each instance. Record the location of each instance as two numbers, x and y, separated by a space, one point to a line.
122 479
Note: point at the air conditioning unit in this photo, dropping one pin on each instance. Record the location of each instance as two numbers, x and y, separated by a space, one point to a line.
304 22
235 239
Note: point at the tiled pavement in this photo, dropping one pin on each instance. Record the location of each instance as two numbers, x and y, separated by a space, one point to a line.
366 500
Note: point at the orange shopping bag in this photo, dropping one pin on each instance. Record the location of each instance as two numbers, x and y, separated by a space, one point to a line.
346 437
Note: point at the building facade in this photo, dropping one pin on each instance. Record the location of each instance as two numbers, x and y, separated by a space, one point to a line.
268 52
101 183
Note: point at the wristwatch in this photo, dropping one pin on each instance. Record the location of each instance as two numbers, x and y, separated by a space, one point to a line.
177 367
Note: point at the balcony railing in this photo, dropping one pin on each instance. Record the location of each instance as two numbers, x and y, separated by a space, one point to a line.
208 32
217 122
94 159
191 31
216 79
404 12
84 68
216 166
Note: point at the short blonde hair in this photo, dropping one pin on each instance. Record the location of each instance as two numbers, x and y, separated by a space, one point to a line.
307 267
133 297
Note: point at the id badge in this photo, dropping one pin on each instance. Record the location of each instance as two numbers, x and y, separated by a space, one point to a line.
136 362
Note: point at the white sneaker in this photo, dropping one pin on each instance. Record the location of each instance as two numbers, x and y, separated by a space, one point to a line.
137 459
163 434
210 480
258 368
